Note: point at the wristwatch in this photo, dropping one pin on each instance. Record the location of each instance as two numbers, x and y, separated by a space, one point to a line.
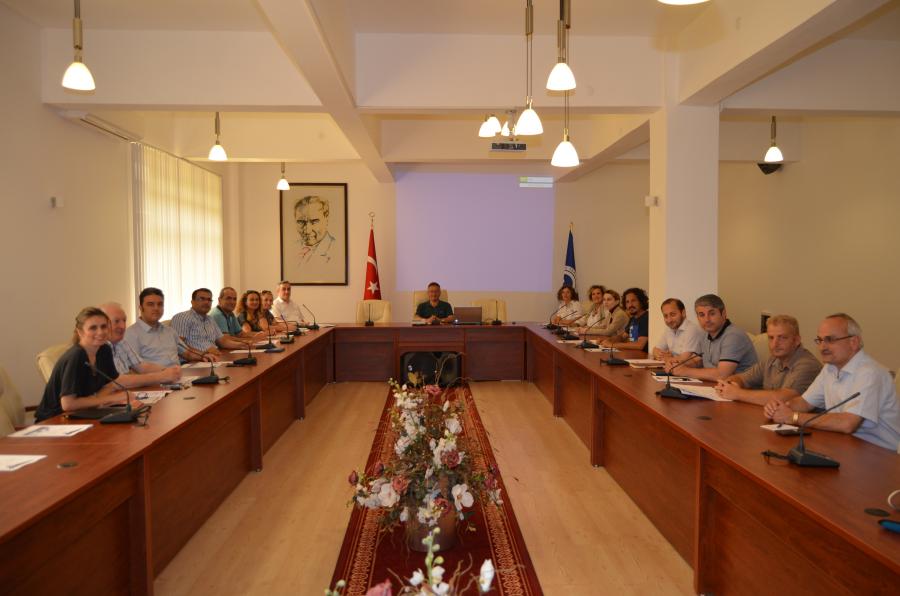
795 418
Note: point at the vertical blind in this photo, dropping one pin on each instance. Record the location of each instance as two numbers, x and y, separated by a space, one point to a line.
177 226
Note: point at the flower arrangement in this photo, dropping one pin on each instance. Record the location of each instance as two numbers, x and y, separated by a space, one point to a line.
431 474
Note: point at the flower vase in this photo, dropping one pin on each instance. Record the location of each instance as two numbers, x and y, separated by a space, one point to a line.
416 531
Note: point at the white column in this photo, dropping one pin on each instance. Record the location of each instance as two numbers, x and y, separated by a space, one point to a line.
684 176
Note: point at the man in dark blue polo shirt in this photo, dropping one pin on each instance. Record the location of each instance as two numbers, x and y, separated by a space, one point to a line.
434 310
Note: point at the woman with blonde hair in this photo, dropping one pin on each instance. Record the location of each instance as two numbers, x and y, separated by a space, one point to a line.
615 318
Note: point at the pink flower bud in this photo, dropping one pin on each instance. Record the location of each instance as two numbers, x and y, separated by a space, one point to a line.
379 469
354 478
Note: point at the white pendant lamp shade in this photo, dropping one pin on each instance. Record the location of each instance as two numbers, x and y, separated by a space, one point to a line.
565 155
529 123
217 153
773 155
682 2
283 184
486 131
504 130
494 124
78 77
561 78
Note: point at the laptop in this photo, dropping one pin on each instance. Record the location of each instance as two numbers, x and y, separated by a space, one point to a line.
467 315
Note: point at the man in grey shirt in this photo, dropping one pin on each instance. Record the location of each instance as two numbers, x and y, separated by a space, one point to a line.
727 350
787 373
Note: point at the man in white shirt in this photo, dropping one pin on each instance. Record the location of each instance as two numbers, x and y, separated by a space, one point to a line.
874 416
285 309
682 337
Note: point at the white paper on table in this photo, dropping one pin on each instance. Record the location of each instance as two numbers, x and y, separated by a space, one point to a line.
51 430
151 397
325 325
11 463
245 351
644 362
568 341
603 349
702 391
204 364
774 427
662 379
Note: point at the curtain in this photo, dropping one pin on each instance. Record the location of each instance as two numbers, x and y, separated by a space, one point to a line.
177 226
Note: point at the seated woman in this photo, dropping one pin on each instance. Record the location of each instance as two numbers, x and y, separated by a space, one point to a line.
569 309
615 318
250 314
590 320
76 382
276 325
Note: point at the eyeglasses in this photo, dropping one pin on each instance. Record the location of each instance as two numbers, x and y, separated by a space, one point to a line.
828 340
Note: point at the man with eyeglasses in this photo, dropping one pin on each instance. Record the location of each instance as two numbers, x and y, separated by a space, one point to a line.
199 330
788 372
874 416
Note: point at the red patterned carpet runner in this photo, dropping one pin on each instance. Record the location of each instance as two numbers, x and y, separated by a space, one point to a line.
368 554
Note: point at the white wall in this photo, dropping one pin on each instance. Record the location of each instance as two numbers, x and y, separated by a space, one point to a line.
55 261
820 236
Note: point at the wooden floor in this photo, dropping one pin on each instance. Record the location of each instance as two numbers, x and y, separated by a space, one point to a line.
280 531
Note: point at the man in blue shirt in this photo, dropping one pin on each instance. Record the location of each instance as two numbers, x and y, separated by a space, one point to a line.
635 334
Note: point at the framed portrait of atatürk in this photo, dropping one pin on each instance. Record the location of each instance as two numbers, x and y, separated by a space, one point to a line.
314 234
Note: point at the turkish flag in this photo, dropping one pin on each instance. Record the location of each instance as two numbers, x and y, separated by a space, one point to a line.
373 289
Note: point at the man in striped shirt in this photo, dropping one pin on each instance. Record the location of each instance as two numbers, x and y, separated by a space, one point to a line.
199 330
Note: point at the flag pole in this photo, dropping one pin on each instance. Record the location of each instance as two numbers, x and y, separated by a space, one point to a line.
372 219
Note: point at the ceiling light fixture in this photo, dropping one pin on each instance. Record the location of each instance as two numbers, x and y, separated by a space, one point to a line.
681 2
217 152
773 155
78 77
283 184
490 127
565 155
529 123
561 77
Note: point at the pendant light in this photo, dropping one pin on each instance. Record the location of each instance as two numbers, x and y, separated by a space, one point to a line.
565 155
561 77
78 77
773 155
283 184
490 127
217 152
681 2
529 123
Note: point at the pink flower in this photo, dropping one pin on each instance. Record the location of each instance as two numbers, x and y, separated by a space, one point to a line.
400 483
490 481
379 469
382 589
354 478
433 390
450 458
442 504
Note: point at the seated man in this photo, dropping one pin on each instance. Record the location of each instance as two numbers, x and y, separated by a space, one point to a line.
787 373
874 416
199 331
434 310
727 350
133 372
151 340
682 337
285 309
223 314
634 336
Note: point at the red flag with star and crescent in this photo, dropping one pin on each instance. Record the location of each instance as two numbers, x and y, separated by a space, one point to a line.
373 289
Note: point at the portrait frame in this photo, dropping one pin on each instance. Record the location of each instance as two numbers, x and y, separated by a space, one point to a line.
313 243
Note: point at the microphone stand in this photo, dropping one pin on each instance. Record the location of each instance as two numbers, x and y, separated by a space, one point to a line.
675 392
585 344
249 360
288 338
212 378
369 321
314 326
496 320
271 348
551 326
128 415
810 459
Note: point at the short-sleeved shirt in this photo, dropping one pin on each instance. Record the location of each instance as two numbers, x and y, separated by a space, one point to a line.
441 311
638 327
731 344
226 321
570 310
72 375
797 374
199 331
687 339
125 358
158 344
877 402
289 311
254 325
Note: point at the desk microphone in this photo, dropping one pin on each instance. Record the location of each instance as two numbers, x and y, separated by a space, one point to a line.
585 344
675 392
211 379
810 459
314 326
550 326
566 334
249 360
369 321
496 320
288 338
128 415
271 348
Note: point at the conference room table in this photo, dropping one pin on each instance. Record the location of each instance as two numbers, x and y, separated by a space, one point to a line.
108 508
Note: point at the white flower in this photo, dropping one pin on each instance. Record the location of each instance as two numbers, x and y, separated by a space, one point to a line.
462 497
429 472
404 515
417 578
441 588
387 496
446 405
437 573
486 576
402 445
453 425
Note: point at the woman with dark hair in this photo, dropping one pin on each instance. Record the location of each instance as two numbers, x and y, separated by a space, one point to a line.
250 313
614 318
569 309
76 382
267 299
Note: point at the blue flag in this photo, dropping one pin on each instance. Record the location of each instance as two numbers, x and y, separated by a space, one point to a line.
569 269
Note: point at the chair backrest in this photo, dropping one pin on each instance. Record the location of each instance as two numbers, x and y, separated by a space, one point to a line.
46 360
10 400
491 308
380 311
420 296
761 345
6 425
